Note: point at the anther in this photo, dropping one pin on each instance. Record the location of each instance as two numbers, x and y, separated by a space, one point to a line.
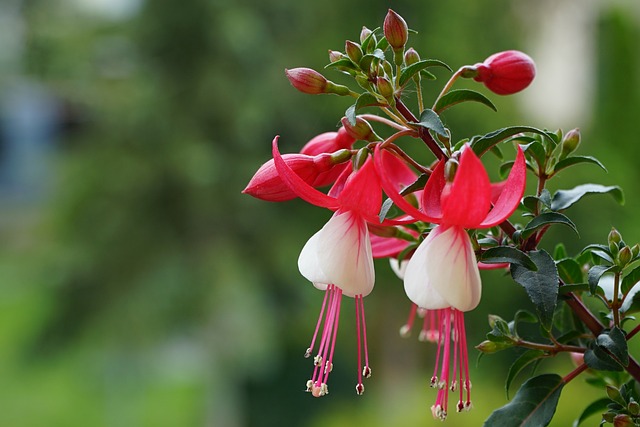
442 385
309 385
317 361
307 353
366 372
434 382
405 331
422 312
360 389
468 405
460 406
328 367
423 336
453 386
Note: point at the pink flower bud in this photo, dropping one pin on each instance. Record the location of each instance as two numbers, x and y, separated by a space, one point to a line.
395 30
317 171
328 142
411 56
353 50
307 80
364 33
506 72
312 82
334 55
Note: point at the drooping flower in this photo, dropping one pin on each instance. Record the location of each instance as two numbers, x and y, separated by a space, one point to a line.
338 259
442 273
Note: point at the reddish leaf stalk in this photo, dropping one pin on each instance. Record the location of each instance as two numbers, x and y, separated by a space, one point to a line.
424 134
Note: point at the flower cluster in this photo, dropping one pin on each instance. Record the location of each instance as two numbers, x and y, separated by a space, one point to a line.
432 243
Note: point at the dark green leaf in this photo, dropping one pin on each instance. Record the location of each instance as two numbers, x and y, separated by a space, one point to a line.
533 405
495 150
462 95
570 271
427 75
524 316
342 63
429 119
368 59
501 254
482 144
541 285
632 305
574 287
630 280
597 358
413 69
418 184
366 100
595 273
564 199
575 160
536 151
367 45
545 219
615 342
596 407
519 364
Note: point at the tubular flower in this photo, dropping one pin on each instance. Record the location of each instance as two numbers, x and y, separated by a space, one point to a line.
443 274
338 259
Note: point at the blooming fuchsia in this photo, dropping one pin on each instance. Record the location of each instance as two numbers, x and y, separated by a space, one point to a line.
443 272
338 259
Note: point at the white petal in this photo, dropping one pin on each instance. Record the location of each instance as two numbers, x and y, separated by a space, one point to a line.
417 280
443 272
340 254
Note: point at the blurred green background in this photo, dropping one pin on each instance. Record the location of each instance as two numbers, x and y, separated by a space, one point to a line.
138 287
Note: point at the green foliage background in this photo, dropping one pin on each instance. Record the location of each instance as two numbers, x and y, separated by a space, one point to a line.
147 291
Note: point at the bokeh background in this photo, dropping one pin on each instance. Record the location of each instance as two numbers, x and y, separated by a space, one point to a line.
138 287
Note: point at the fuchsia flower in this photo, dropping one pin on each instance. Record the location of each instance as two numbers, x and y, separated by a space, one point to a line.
320 162
443 272
506 73
338 259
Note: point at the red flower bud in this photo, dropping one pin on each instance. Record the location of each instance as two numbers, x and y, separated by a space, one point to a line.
317 171
395 30
506 72
328 142
312 82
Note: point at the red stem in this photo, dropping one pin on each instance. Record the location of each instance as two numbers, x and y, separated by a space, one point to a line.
423 133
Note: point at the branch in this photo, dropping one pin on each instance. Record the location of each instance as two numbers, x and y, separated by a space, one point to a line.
423 133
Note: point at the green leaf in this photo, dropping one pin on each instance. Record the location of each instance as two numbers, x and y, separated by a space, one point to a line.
482 144
505 168
573 287
560 252
575 160
533 405
615 342
596 407
630 280
519 364
368 59
596 358
535 149
384 210
500 254
414 69
367 100
564 199
429 119
462 95
541 285
595 273
342 63
545 219
382 44
570 271
350 114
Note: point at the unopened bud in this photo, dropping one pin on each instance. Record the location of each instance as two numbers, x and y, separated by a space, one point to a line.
362 130
623 420
312 82
411 56
570 142
614 236
334 55
635 250
353 50
633 407
505 73
385 88
395 30
493 346
364 33
625 256
360 158
450 169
